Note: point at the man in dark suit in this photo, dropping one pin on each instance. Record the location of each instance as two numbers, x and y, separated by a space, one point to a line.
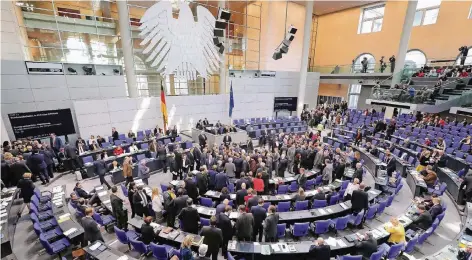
91 228
436 209
49 159
424 220
189 217
191 188
114 134
442 159
320 250
205 122
180 202
56 145
71 153
178 163
238 163
391 163
359 199
244 225
147 231
467 184
240 181
240 194
226 226
81 192
367 246
319 194
213 238
270 225
222 181
302 179
202 139
197 156
227 140
118 210
140 202
245 167
162 157
38 166
253 201
259 213
202 181
101 169
358 173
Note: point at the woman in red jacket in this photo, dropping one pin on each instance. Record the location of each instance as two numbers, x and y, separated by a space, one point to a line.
258 183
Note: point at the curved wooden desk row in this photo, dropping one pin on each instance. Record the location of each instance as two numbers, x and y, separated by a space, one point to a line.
273 181
71 229
10 208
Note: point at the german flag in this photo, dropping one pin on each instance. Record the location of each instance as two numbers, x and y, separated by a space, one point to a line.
164 108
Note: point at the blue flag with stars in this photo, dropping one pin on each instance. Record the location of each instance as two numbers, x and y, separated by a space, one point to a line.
231 101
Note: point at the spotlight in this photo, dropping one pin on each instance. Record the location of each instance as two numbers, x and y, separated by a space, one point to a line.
222 49
292 30
224 14
277 55
217 42
220 24
71 70
218 32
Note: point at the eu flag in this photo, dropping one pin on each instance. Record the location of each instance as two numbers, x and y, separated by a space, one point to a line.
231 101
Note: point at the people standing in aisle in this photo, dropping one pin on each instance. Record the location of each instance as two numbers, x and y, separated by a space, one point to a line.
270 225
141 201
38 166
244 225
128 170
56 144
143 171
118 209
26 187
202 251
147 231
189 218
131 191
320 250
259 213
157 206
92 231
224 223
49 156
100 170
169 204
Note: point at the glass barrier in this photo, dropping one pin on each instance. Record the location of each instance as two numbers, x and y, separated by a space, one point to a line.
351 68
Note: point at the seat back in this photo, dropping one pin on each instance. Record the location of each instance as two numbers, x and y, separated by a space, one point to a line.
124 190
371 211
283 189
301 205
98 218
390 200
45 244
319 204
138 246
395 251
410 246
205 222
322 226
281 230
377 255
341 222
381 207
334 199
121 235
300 229
283 206
207 202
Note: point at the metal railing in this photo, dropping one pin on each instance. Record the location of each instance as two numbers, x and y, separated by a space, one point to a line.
351 68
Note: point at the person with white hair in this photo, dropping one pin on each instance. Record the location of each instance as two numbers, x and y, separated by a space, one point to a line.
143 171
320 250
366 246
202 250
465 253
230 168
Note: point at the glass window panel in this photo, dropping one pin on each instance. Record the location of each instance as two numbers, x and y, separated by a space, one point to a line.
366 27
427 4
355 89
431 16
374 12
353 100
418 18
377 25
415 59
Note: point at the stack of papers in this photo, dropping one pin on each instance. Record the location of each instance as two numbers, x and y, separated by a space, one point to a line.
57 189
95 246
331 241
275 247
98 188
322 211
123 257
233 215
67 215
265 250
102 193
70 231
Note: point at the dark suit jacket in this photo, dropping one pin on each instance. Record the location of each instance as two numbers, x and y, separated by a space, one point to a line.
224 223
244 225
91 230
189 217
192 190
302 180
240 194
70 151
213 238
435 211
359 200
319 196
202 182
100 167
358 174
391 165
180 203
221 180
322 252
117 206
467 183
252 202
82 193
202 140
139 208
147 234
366 248
270 225
259 213
227 139
115 136
48 156
424 221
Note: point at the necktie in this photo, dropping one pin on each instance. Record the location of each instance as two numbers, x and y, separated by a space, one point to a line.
143 198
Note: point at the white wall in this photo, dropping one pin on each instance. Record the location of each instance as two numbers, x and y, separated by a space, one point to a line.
253 97
22 92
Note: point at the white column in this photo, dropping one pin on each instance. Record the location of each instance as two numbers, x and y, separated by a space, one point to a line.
305 53
224 88
127 46
405 38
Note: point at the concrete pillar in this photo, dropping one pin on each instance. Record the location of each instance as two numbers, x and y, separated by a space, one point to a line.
405 38
127 46
224 88
388 112
305 54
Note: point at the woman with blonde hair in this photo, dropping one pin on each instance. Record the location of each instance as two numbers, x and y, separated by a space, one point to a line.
157 205
185 250
424 160
396 230
128 170
27 187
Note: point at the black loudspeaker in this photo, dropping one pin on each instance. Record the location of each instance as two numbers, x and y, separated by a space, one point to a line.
222 49
220 25
218 33
277 55
224 14
292 30
291 37
216 41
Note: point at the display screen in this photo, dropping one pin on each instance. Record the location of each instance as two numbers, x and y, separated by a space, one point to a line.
42 123
285 103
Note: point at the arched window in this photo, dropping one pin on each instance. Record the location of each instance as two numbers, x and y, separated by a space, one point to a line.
357 66
415 59
468 60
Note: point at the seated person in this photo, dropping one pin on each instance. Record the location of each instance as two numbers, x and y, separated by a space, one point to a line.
424 220
81 192
320 250
366 246
118 150
114 166
396 230
436 209
133 148
374 151
147 231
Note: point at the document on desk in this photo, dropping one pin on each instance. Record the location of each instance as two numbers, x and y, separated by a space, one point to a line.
98 188
275 247
200 209
57 189
343 205
287 197
64 216
233 215
102 193
341 243
331 241
123 257
95 246
322 211
284 247
70 231
329 210
265 250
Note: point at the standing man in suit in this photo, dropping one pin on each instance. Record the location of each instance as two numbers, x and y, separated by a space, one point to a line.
191 188
114 134
162 157
244 225
253 201
391 163
238 163
227 140
180 202
140 202
169 204
189 217
71 152
143 171
359 200
226 226
230 168
222 181
213 237
202 139
290 158
240 194
197 156
178 162
270 225
259 213
185 164
205 122
49 159
56 144
100 170
202 180
320 250
38 166
118 210
358 173
246 167
91 228
467 185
